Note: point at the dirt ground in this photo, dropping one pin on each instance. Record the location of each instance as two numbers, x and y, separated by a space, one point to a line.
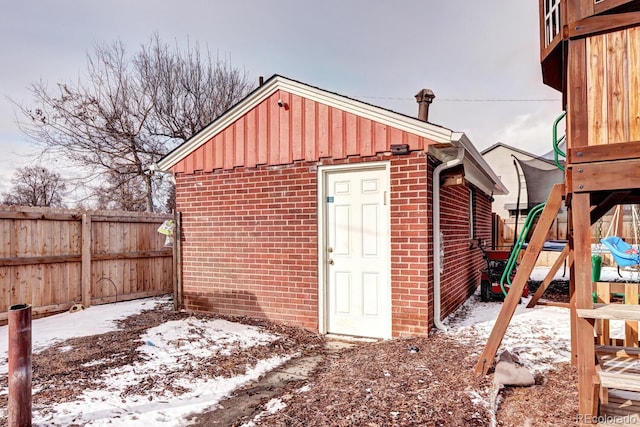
391 384
558 290
401 382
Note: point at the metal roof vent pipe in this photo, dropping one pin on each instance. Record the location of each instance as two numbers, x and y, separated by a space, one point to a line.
424 98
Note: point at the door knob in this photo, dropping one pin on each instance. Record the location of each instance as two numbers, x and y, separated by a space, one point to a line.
330 261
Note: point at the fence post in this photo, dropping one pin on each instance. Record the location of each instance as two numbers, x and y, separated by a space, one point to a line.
86 260
177 262
19 365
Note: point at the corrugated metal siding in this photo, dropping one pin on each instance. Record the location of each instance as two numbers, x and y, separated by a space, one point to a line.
304 130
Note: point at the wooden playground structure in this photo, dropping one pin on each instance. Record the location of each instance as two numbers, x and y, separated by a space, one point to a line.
590 51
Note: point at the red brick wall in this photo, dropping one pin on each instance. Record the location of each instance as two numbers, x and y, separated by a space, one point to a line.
463 260
250 242
410 237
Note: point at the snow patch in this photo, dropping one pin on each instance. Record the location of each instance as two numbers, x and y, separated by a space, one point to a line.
96 319
539 336
165 348
168 409
271 407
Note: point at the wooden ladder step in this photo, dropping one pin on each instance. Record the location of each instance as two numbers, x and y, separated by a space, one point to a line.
611 350
621 410
620 365
632 418
619 380
610 311
554 304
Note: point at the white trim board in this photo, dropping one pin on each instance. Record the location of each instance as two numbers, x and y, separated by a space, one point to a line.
321 214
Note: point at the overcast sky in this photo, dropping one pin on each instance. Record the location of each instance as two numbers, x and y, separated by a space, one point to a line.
382 52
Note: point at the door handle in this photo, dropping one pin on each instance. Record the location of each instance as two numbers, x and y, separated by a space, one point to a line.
330 261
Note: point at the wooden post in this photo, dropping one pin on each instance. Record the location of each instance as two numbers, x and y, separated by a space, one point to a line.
572 307
631 326
618 226
174 261
177 243
581 276
603 326
19 404
86 260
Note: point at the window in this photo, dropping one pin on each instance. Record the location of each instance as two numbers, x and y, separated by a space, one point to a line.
552 22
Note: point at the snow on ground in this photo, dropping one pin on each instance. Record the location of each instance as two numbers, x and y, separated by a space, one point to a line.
165 347
607 274
94 320
540 337
271 407
106 407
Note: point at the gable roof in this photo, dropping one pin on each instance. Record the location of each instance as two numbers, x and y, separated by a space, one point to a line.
544 158
435 138
508 147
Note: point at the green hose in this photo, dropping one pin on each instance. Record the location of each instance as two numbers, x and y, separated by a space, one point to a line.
515 251
511 263
556 149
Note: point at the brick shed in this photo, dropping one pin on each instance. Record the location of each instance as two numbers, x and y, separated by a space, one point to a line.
307 207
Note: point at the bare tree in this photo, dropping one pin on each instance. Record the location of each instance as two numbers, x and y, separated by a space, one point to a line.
188 89
121 192
35 186
170 200
129 112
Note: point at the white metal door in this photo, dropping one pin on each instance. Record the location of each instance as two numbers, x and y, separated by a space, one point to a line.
357 252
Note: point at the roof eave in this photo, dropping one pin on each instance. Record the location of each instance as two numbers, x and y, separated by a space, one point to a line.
477 170
413 125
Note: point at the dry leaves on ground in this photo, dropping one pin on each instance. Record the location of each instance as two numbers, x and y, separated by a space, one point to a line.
401 382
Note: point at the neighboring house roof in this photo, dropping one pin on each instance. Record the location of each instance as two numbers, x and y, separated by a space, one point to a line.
441 142
543 158
562 146
508 147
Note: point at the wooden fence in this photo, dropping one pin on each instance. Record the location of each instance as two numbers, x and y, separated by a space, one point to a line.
558 229
629 229
53 258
